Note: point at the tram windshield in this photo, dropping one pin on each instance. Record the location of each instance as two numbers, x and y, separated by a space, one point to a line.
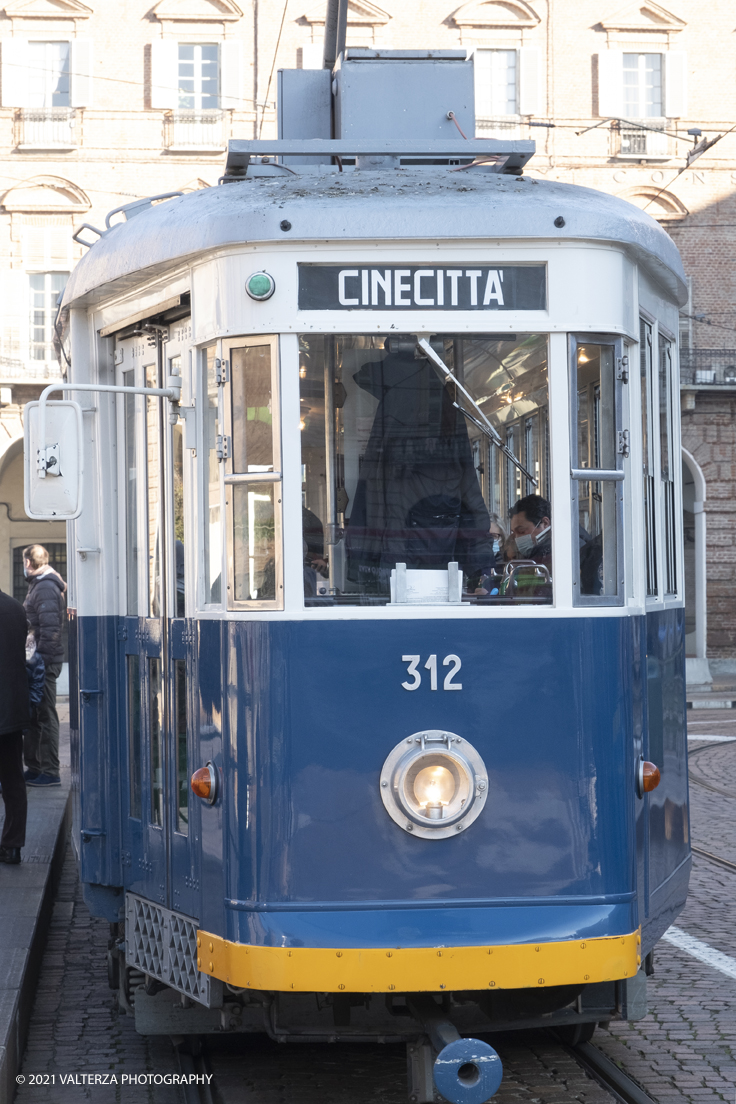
425 471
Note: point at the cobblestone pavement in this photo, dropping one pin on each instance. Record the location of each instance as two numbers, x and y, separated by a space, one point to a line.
75 1026
684 1050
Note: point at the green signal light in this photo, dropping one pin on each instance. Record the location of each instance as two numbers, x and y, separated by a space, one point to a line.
260 285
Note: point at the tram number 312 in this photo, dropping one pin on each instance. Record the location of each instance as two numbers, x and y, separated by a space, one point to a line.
451 661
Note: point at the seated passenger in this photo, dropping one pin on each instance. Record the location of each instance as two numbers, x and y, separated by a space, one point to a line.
502 547
531 529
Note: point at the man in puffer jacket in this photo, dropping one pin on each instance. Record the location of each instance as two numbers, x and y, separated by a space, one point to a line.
45 608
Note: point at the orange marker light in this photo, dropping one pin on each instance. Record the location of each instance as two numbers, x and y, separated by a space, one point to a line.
650 777
202 782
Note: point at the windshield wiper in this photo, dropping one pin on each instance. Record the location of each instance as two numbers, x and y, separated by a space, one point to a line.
481 422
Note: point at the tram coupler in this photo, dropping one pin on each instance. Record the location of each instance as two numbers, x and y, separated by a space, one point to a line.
463 1071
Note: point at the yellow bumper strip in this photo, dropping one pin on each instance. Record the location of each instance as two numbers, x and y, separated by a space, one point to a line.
417 969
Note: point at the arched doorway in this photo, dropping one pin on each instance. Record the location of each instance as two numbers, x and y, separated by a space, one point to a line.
693 524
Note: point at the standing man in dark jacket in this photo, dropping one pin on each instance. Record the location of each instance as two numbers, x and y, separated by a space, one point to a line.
45 606
13 719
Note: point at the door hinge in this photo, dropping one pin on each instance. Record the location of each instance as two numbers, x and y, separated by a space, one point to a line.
222 447
622 369
222 371
623 442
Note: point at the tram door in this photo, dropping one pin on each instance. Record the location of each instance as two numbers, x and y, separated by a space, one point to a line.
161 836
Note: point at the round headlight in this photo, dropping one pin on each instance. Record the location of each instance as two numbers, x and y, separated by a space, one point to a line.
434 784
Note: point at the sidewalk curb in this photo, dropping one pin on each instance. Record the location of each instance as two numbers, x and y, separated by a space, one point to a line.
14 1021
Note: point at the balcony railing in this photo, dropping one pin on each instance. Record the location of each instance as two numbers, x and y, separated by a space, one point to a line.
499 127
708 368
640 139
196 130
54 128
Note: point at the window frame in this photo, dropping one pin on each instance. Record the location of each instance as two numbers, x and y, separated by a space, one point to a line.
232 478
197 79
49 312
619 351
203 484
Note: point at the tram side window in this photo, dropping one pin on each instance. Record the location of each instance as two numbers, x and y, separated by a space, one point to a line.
154 497
597 519
212 530
177 456
134 734
155 705
253 479
647 436
182 766
131 497
407 470
667 465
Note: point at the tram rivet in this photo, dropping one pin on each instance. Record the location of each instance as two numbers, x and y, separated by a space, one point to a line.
492 984
536 948
490 950
199 942
384 784
211 966
339 954
285 225
459 827
211 948
541 981
410 827
586 977
341 987
389 954
443 986
199 963
439 954
582 946
481 785
559 222
392 987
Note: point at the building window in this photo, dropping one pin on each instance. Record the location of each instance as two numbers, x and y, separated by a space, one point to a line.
48 74
643 86
199 76
45 290
497 93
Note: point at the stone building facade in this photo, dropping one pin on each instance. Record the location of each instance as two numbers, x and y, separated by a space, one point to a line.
102 103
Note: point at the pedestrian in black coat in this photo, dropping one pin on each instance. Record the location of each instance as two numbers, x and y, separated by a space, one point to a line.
46 608
13 719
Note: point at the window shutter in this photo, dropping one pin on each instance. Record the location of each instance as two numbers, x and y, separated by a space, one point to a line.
482 75
231 75
15 72
530 82
164 73
675 84
81 72
611 84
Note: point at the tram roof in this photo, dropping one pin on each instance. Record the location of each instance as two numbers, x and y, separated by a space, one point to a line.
413 204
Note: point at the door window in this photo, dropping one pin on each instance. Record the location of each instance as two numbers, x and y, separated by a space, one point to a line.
648 443
597 471
154 492
667 463
211 479
252 474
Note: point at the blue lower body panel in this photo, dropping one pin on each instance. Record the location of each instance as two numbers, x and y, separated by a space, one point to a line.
299 717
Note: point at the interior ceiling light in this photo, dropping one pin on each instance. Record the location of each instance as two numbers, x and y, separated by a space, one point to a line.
434 784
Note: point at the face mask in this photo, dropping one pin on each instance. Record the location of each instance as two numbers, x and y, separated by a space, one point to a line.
26 572
496 546
524 544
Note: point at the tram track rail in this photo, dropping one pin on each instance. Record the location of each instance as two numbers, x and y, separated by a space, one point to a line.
610 1076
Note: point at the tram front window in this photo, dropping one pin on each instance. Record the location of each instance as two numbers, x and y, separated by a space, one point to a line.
413 462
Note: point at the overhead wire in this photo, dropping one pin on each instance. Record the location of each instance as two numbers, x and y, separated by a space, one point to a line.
273 65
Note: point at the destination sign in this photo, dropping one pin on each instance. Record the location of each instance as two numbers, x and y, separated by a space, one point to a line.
413 287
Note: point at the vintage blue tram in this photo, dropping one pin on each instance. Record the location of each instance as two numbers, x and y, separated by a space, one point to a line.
380 542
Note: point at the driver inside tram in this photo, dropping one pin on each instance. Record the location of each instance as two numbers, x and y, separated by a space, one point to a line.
531 528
